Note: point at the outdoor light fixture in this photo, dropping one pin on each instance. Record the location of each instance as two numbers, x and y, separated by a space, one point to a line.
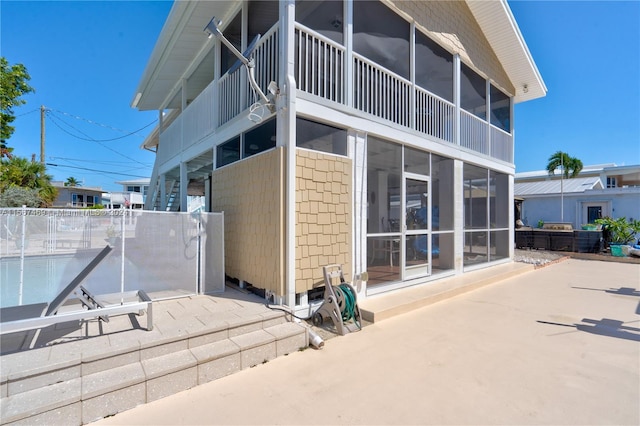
246 59
525 88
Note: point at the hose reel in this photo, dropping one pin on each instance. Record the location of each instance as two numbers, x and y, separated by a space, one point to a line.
340 302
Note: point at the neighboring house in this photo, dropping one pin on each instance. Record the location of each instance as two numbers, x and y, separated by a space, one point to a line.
133 195
76 196
387 146
598 191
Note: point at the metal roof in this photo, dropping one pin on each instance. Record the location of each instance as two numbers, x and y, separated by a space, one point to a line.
182 51
552 187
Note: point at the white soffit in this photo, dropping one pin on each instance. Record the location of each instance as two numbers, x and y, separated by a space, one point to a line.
501 30
180 42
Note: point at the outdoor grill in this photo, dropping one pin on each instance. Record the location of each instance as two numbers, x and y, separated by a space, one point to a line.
559 236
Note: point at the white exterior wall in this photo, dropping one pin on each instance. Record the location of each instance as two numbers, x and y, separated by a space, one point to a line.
621 202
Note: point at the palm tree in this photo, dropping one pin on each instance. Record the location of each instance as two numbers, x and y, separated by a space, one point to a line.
71 181
20 172
569 166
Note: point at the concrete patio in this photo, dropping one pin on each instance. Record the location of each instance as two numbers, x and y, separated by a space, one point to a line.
558 345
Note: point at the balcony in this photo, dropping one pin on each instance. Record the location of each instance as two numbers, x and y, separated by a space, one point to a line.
321 71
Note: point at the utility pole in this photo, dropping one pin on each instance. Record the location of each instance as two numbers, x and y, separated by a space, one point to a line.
42 111
562 187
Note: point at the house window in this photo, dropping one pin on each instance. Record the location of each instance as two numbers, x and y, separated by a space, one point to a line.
260 139
132 188
83 200
500 109
325 17
434 67
473 92
611 182
228 152
320 137
382 36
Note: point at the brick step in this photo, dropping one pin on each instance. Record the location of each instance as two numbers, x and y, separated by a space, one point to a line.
81 393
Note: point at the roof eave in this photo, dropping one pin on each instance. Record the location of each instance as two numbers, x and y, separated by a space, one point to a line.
501 30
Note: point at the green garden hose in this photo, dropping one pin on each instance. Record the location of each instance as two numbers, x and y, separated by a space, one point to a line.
345 295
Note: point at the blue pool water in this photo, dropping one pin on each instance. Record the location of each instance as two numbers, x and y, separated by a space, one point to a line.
45 276
41 280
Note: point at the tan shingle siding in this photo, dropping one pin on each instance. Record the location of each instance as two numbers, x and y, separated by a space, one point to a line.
323 212
250 193
452 25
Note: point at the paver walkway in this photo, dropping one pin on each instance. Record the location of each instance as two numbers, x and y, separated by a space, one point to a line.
559 345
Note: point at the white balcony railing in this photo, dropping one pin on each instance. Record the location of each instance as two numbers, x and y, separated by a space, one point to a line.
434 116
170 141
230 97
235 93
198 117
473 133
320 65
501 145
380 92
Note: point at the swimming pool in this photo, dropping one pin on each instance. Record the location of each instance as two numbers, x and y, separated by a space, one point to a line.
41 278
44 276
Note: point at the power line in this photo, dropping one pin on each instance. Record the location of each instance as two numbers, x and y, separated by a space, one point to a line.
54 120
127 133
117 163
95 170
28 112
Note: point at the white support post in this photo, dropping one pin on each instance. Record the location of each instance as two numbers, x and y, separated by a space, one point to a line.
512 232
286 133
458 216
358 148
122 254
487 91
412 72
22 244
456 98
184 182
348 60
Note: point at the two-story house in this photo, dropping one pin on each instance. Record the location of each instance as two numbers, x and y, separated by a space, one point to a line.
382 136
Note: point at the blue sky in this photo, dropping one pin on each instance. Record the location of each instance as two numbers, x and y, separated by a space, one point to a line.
86 58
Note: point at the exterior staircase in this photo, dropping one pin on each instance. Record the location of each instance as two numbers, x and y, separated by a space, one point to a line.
82 376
